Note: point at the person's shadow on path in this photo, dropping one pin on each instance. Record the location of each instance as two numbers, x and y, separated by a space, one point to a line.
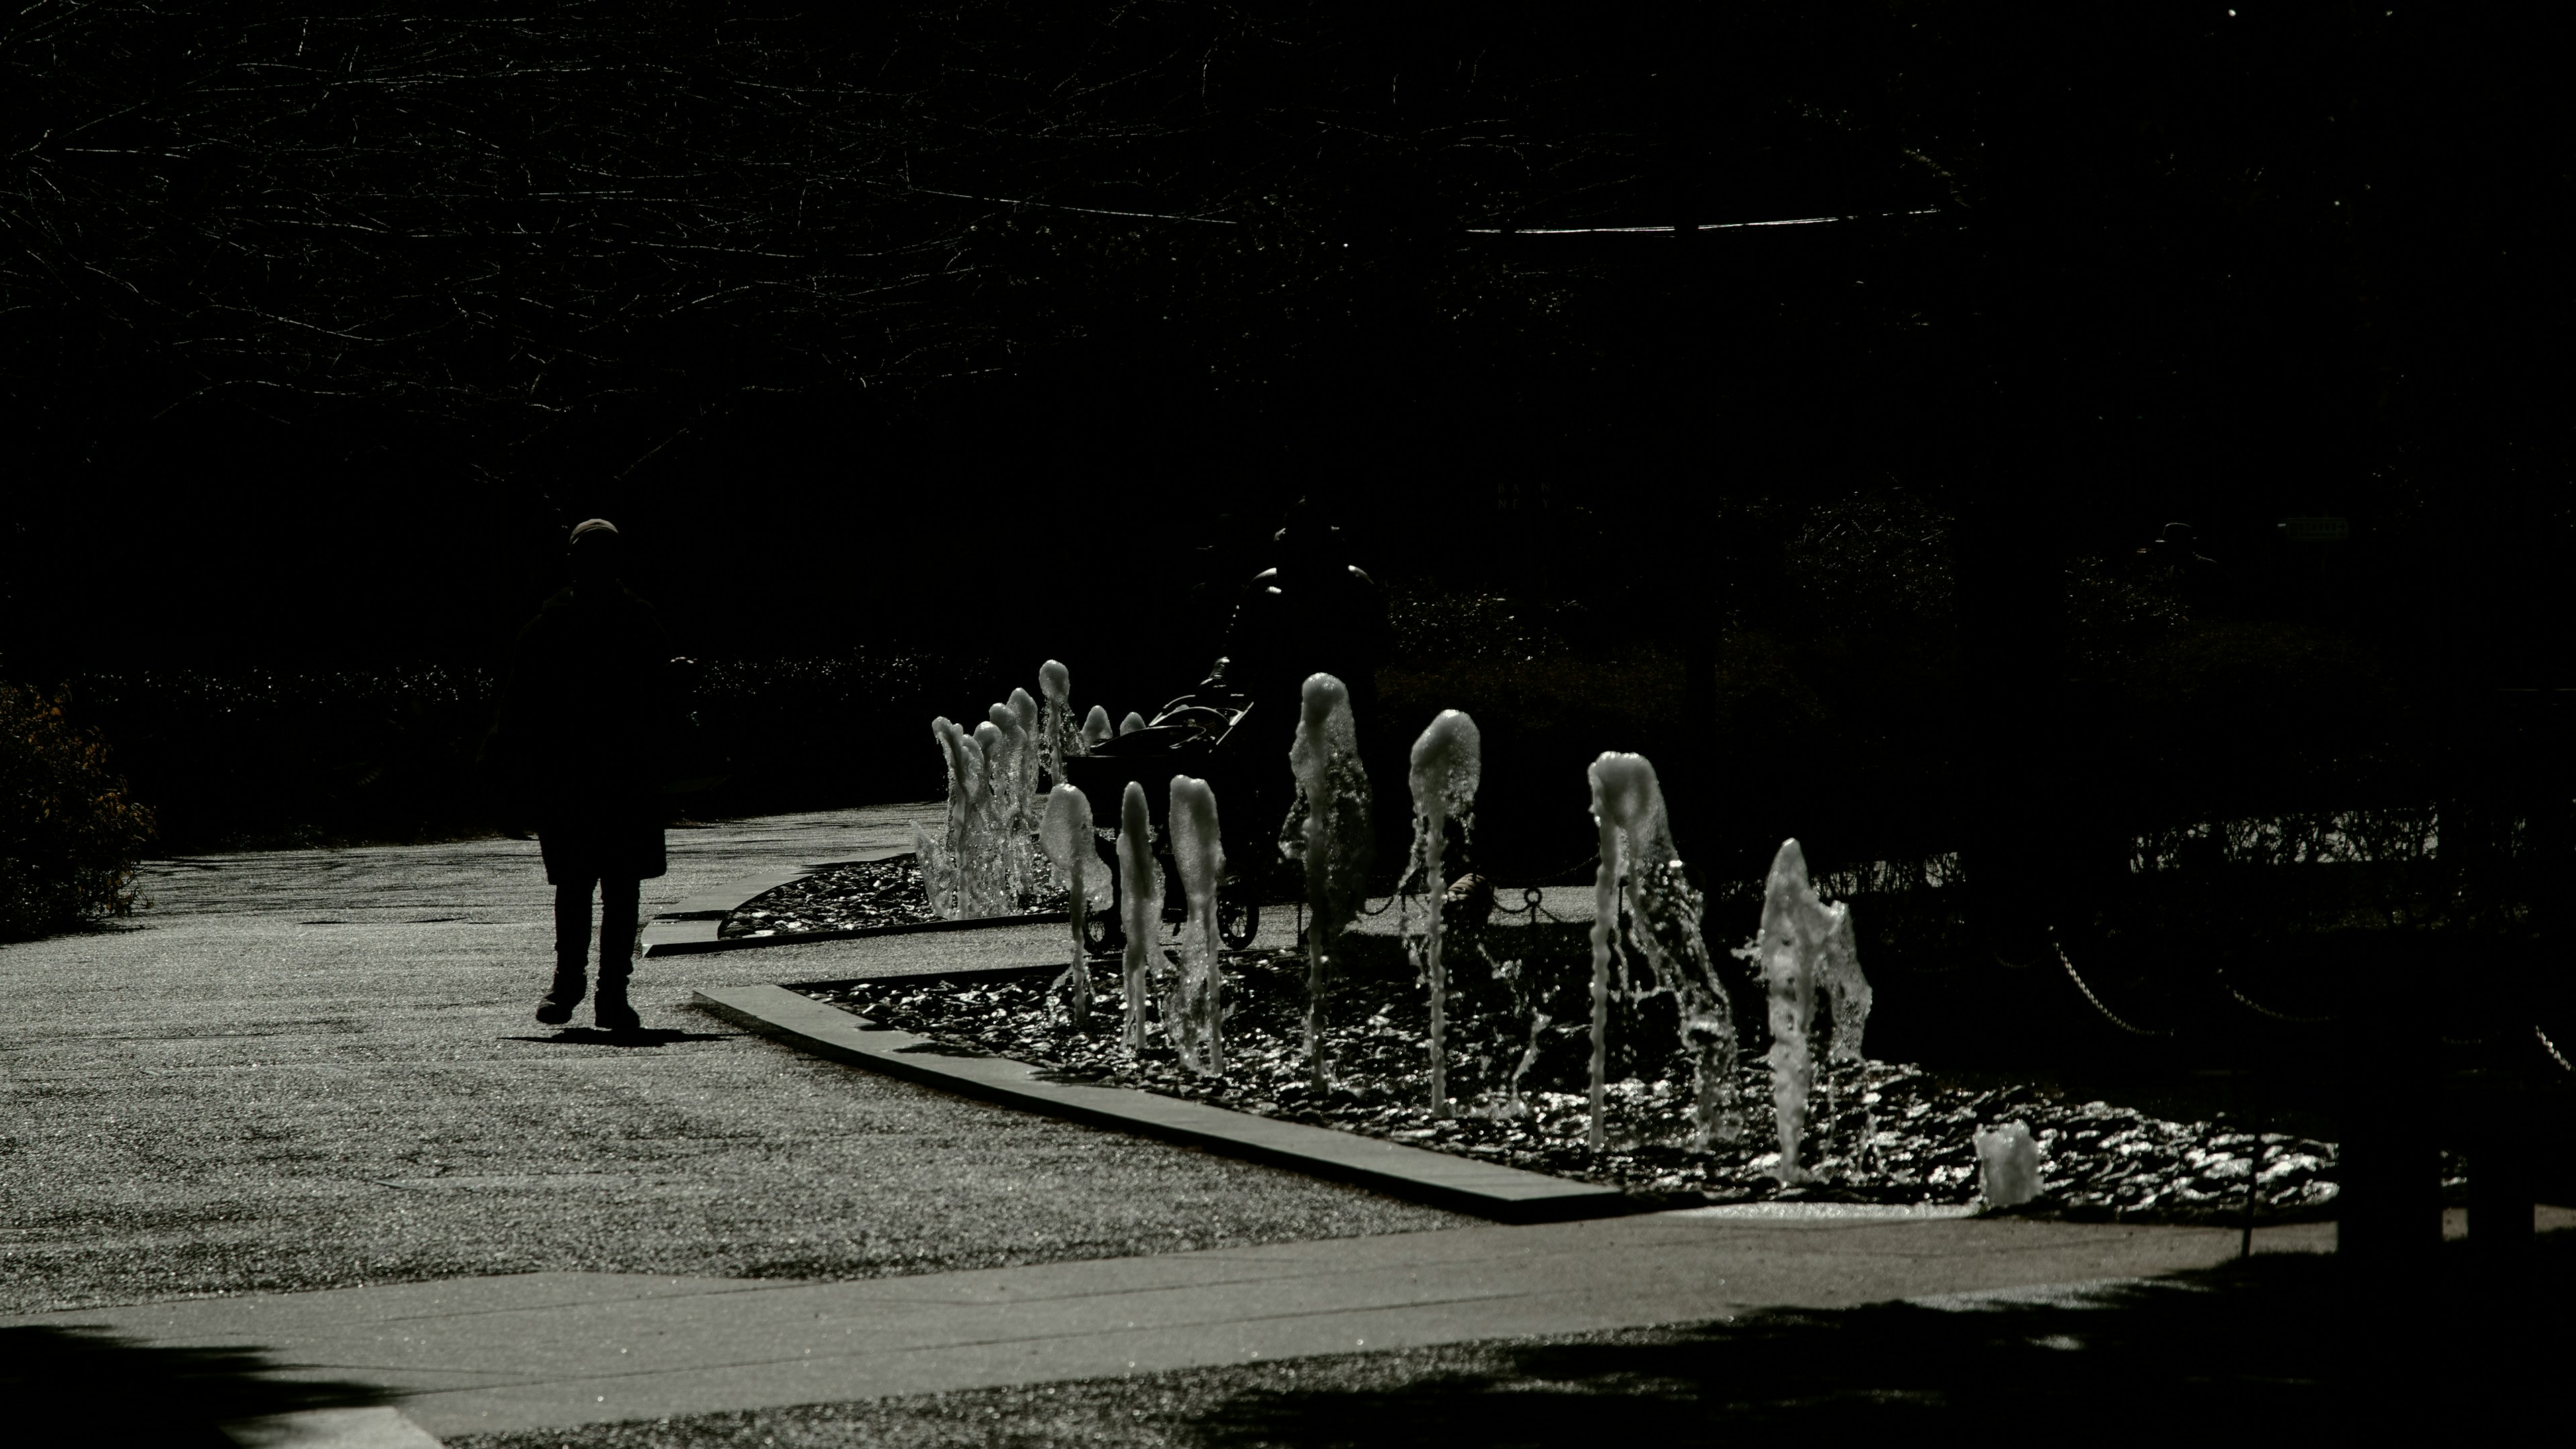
642 1037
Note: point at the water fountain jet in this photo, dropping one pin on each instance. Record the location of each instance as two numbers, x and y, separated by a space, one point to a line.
1193 1013
1066 833
1056 738
1447 763
1665 913
1140 903
1331 832
1803 940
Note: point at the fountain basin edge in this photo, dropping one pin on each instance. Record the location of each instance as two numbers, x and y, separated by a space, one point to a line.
1445 1180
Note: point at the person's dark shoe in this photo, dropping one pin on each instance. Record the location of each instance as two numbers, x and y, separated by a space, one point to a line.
566 994
609 1007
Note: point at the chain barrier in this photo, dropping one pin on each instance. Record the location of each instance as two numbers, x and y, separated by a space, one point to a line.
1571 873
2108 1014
1533 905
2250 1004
1365 912
2552 1048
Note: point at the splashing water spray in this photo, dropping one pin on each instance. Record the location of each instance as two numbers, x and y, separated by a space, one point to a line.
950 862
1447 761
1066 833
1140 903
1330 830
1664 911
1014 775
1194 1016
1802 938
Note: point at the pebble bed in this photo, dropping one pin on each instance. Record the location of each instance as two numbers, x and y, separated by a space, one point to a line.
871 894
1878 1132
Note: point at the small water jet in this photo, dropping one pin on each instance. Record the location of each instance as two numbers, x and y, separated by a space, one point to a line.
1132 723
1140 903
1447 762
2007 1165
1330 830
1096 729
1066 832
1665 913
1193 1011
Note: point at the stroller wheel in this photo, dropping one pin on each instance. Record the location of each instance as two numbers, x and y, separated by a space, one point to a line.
1100 934
1238 915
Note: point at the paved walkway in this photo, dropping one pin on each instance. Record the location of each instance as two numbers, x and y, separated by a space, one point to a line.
557 1349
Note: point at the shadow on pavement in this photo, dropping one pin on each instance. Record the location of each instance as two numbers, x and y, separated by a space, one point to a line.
85 1386
2248 1353
648 1037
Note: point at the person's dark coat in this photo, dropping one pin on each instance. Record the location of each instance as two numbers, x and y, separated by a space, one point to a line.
585 722
1309 616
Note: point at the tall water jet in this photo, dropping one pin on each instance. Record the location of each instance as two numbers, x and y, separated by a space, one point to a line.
1132 723
1193 1016
1447 762
1664 912
1032 716
1140 903
996 872
1056 738
1793 929
1331 831
1803 940
1096 729
1067 835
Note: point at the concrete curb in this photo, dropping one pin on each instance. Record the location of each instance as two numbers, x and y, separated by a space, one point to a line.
690 927
1463 1184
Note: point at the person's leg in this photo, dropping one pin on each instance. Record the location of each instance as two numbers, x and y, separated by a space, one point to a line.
572 948
618 907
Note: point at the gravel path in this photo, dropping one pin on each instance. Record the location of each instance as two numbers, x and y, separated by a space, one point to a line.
313 1069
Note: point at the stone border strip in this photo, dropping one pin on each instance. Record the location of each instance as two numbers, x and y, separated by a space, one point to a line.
1464 1184
690 928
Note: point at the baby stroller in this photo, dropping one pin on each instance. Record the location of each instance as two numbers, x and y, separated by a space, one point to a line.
1201 735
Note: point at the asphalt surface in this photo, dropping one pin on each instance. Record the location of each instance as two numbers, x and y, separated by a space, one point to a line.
315 1069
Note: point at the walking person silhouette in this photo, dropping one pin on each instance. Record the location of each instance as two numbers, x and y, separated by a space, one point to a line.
583 719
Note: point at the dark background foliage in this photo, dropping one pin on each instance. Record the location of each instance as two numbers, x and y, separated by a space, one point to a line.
69 829
915 344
